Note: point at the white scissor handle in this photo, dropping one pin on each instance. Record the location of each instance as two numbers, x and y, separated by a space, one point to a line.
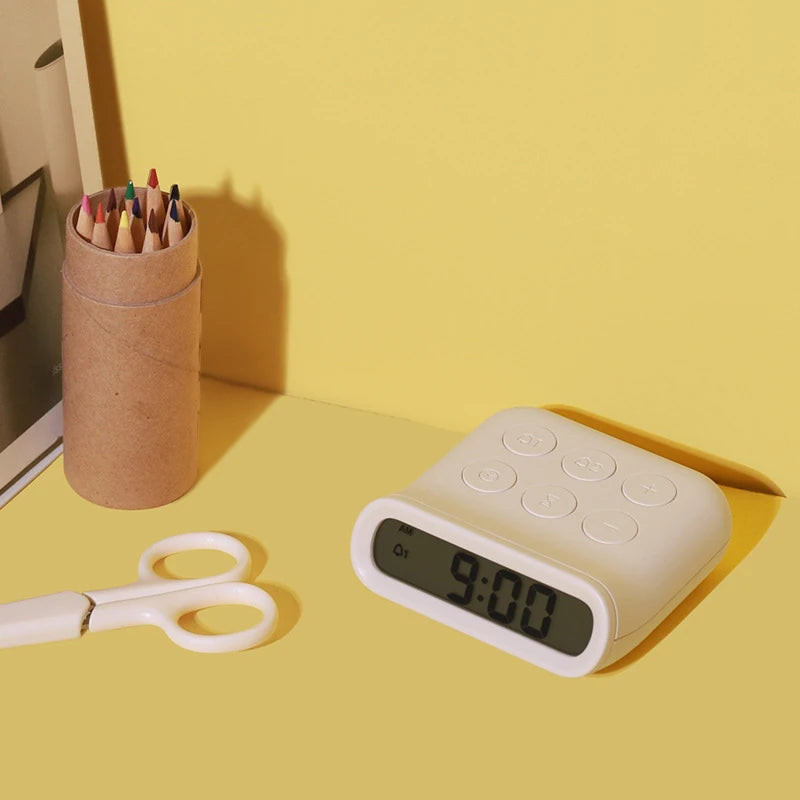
154 600
200 540
150 583
165 611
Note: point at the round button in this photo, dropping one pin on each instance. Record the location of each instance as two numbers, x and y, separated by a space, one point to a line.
649 490
588 465
529 440
550 502
489 476
610 527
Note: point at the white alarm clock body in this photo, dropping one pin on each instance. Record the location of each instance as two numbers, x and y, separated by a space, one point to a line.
545 538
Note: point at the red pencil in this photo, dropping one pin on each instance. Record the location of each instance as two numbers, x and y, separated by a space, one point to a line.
155 202
100 235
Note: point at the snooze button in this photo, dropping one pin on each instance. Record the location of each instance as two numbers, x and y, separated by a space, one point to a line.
489 476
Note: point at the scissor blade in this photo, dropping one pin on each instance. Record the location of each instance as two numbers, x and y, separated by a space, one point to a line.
48 618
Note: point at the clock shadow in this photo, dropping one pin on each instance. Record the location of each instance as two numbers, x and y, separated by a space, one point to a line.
754 500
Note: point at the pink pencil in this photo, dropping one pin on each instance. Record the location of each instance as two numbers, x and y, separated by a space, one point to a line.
85 224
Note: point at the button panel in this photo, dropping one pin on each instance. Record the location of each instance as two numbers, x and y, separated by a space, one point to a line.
536 449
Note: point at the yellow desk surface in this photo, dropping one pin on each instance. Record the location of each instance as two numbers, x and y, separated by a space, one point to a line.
355 696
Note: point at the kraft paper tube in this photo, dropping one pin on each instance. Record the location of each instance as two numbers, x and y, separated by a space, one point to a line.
131 370
57 126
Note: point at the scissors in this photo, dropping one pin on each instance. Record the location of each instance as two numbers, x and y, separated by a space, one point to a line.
152 600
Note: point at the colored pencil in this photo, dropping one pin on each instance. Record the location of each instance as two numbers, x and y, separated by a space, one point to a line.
175 194
124 243
152 241
100 235
174 227
130 195
85 224
165 226
154 200
137 225
112 214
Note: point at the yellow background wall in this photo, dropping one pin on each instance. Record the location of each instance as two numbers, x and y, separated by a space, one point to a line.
436 210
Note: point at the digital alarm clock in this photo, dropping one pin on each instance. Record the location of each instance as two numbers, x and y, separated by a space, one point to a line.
545 538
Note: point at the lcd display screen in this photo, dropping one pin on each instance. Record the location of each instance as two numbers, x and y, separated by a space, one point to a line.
518 602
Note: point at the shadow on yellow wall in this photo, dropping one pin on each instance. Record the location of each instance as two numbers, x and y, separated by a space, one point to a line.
244 290
244 315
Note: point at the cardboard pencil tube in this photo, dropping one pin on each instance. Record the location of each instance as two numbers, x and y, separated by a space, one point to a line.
131 370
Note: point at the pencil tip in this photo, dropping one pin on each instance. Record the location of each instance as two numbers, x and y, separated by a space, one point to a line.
173 211
152 180
111 203
129 191
151 222
174 192
101 214
123 220
136 209
86 205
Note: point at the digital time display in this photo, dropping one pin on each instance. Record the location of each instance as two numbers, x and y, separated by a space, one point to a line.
517 602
